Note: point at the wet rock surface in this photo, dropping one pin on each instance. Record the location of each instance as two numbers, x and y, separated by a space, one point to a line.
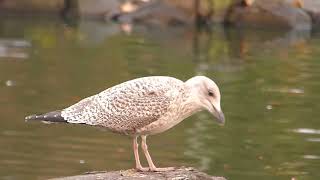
312 7
268 14
156 13
131 174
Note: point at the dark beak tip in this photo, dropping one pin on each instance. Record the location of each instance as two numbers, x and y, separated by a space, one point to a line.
219 115
221 119
222 123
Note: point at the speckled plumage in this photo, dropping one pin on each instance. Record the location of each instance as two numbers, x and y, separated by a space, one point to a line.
142 107
133 105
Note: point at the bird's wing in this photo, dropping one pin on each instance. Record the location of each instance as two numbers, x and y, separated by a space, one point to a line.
127 106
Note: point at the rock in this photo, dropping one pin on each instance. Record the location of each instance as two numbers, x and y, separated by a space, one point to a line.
193 9
156 13
133 11
313 8
31 6
168 12
97 8
276 14
145 11
131 174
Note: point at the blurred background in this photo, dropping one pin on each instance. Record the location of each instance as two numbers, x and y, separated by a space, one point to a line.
264 55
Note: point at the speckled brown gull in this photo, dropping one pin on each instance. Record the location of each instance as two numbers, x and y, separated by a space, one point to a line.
142 107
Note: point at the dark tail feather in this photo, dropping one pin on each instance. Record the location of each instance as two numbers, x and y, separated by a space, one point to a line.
54 116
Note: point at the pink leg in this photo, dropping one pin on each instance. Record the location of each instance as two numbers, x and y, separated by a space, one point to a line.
136 155
150 162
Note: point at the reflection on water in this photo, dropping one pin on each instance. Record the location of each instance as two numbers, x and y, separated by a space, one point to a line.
11 48
307 131
311 157
313 139
269 82
196 143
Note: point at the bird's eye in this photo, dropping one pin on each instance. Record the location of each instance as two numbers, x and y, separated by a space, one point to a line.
210 93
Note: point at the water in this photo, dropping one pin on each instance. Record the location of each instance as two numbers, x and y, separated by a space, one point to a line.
270 96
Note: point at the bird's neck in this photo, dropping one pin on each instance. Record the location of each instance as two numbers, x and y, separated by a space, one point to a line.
191 103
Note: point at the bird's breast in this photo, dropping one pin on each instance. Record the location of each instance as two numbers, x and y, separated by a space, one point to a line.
177 113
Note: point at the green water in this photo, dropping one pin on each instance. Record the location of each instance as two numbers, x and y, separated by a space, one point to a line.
270 96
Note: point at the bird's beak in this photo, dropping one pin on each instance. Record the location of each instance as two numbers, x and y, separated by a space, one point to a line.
216 111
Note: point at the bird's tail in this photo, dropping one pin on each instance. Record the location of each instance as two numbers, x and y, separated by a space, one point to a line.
54 116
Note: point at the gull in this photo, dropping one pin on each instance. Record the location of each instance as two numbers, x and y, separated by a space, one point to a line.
141 107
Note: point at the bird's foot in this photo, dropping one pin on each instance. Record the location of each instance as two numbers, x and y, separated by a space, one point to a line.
142 169
155 169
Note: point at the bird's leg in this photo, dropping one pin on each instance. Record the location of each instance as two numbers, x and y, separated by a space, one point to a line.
136 155
146 153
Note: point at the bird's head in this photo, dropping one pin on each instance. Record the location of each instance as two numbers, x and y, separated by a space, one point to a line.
207 95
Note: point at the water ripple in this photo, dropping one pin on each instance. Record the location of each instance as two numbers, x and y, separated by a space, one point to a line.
313 139
306 131
311 157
